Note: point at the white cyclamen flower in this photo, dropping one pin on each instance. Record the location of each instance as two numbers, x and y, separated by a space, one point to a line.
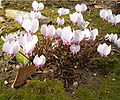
37 6
11 48
58 33
77 36
114 19
112 37
81 8
67 35
39 61
10 37
30 25
60 21
21 17
63 11
83 24
76 17
74 49
105 14
118 43
104 49
47 31
35 15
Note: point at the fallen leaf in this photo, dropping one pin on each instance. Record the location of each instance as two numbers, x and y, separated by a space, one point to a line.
22 75
98 7
2 19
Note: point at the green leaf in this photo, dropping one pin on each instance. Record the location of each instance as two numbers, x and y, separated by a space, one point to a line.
22 59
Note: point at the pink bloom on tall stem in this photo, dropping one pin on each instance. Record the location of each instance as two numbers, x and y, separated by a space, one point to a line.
39 61
104 49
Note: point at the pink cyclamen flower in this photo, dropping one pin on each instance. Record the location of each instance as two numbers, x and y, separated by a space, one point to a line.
74 49
76 17
11 48
112 37
39 61
60 21
67 35
63 11
118 43
47 31
30 25
104 49
81 8
37 6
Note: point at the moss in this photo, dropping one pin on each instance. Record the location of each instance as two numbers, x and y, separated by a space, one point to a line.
37 90
86 94
107 64
110 88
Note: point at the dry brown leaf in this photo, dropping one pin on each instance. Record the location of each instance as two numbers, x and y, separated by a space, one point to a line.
98 7
2 19
22 75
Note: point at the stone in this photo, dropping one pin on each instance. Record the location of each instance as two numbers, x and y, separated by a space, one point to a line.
12 14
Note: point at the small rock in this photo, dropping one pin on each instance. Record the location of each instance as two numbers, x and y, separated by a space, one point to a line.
95 74
5 82
75 84
113 79
17 66
75 66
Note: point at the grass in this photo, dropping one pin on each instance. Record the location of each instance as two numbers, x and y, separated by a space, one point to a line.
109 89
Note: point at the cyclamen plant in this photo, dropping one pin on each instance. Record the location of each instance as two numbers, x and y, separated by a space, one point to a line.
62 46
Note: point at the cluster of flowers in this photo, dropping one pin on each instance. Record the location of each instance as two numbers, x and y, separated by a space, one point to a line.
109 16
76 18
27 40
